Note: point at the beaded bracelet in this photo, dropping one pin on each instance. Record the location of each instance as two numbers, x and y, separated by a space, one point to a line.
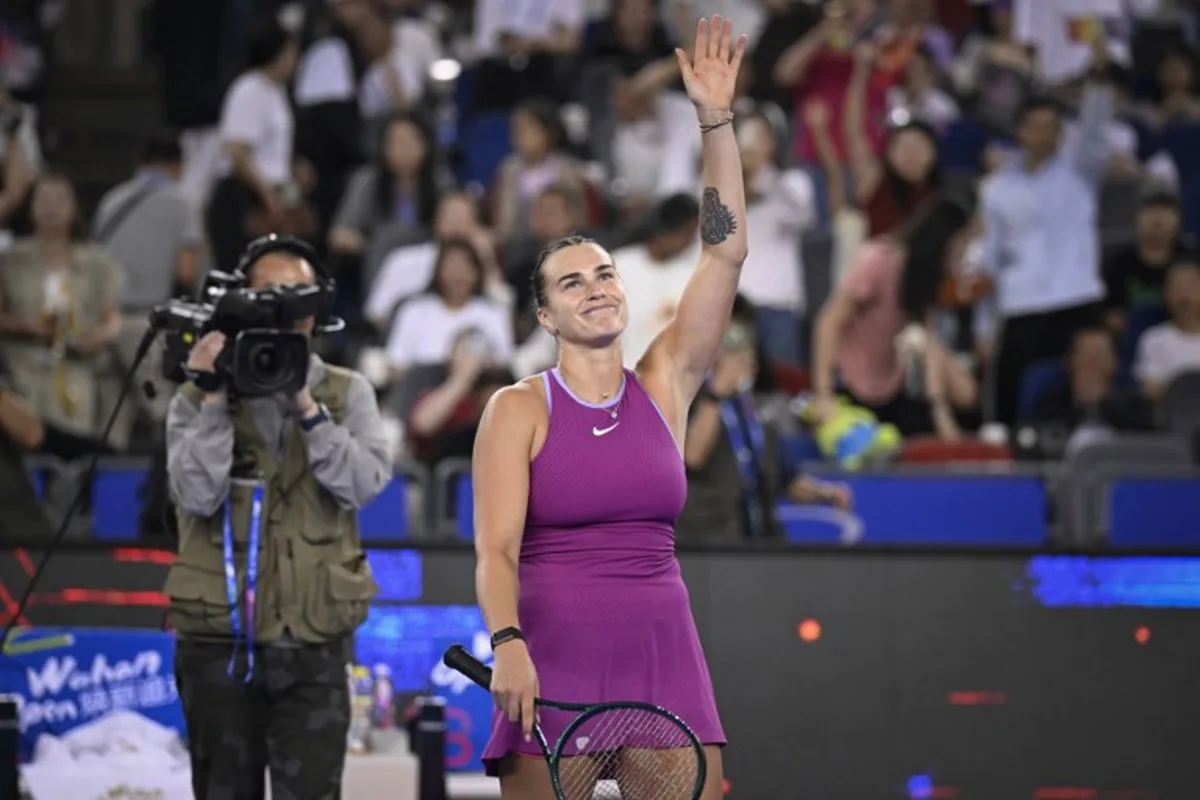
712 126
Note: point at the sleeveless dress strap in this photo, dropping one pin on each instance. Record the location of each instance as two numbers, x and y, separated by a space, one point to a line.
547 387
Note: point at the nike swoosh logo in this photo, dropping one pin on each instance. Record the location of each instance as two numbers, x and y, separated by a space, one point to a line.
602 431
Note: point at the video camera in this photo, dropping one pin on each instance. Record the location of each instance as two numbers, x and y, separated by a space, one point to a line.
264 354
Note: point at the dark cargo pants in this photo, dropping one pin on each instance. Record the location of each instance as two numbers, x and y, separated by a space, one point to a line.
292 718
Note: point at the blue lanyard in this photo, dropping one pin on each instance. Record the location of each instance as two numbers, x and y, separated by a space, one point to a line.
749 454
231 581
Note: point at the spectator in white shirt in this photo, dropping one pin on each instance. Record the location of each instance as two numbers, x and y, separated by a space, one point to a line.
655 150
396 81
655 273
407 271
425 329
520 45
1168 350
1065 33
1040 242
256 130
641 128
780 206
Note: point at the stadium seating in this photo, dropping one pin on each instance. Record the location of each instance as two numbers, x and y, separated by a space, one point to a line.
917 508
389 516
1154 512
925 507
1041 376
486 141
39 467
1181 406
117 500
1134 492
804 524
1090 471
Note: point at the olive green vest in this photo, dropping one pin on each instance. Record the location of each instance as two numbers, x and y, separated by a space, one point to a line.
313 578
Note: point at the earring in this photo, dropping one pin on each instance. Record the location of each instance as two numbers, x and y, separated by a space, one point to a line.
554 331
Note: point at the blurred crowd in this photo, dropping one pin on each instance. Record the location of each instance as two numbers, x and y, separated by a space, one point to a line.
430 148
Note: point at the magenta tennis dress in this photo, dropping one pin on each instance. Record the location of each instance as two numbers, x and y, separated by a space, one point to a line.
603 605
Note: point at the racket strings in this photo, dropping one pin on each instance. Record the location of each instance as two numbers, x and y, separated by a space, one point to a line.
629 754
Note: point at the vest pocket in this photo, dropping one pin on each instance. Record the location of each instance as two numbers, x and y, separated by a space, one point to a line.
337 603
198 602
323 519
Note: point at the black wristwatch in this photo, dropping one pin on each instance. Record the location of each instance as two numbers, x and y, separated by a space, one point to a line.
316 419
506 635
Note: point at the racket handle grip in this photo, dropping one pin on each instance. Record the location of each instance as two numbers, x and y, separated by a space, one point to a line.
458 659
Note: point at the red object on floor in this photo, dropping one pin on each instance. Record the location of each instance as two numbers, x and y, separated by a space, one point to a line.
931 450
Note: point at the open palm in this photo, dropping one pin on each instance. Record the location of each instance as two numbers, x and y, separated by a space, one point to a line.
710 74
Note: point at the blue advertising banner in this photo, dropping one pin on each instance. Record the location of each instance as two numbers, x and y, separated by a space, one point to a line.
66 677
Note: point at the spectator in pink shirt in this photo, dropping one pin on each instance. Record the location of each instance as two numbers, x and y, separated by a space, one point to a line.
893 282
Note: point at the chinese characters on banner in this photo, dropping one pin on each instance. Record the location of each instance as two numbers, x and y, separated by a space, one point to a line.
65 678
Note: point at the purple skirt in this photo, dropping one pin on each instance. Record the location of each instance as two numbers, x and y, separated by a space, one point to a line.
601 641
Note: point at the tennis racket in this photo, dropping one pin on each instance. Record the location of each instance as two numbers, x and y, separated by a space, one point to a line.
606 751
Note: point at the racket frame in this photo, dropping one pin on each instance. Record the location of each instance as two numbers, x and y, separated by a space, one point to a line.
460 660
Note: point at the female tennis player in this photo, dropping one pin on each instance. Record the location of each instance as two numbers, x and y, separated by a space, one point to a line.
578 479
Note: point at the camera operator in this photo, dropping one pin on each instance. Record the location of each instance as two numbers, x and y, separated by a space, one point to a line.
264 620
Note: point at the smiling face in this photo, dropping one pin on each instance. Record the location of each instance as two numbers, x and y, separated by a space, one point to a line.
582 300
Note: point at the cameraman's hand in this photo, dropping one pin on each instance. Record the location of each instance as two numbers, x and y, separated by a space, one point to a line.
203 357
515 684
303 404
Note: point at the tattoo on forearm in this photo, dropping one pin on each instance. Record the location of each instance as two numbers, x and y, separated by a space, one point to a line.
716 219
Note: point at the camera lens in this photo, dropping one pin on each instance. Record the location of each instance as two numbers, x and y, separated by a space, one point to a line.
264 360
269 362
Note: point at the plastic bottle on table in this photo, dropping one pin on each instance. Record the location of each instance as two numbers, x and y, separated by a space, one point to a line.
384 711
361 700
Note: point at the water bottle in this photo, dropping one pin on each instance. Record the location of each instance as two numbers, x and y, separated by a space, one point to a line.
384 711
361 700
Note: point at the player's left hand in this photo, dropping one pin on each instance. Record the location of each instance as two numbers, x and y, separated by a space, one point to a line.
710 73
